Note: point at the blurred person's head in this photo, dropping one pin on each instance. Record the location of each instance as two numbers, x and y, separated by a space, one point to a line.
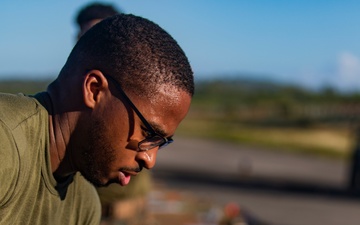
93 13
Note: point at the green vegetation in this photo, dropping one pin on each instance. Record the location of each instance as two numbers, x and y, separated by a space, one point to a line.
23 86
329 141
279 117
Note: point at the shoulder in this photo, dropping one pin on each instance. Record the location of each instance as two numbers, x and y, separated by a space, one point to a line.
16 108
19 117
9 161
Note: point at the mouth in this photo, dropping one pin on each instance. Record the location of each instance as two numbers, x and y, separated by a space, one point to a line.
124 178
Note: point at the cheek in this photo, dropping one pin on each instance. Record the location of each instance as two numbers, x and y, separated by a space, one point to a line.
117 129
124 157
116 135
124 129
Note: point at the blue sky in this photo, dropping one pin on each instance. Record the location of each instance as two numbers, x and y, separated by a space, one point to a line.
312 43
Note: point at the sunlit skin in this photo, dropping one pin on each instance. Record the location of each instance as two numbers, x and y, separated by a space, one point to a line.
98 133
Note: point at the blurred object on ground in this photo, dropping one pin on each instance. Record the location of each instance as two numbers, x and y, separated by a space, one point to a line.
166 206
233 214
354 173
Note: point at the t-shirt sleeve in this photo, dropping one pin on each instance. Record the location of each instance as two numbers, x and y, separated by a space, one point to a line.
9 164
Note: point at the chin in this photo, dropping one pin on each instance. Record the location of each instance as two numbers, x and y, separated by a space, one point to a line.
96 181
105 182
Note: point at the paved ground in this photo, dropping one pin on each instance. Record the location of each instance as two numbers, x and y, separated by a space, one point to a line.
278 188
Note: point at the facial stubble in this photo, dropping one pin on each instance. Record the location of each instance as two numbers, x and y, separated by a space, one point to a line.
98 155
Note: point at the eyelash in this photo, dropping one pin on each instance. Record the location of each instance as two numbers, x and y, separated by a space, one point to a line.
145 131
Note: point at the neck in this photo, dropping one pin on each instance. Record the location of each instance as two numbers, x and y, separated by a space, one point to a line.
59 135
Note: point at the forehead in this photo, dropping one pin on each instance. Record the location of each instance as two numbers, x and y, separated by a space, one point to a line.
165 109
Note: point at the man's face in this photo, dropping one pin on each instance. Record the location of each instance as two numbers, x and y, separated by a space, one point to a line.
111 154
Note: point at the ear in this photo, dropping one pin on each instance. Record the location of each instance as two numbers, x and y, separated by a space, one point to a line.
95 88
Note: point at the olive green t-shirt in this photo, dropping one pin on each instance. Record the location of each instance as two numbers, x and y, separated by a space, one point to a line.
29 194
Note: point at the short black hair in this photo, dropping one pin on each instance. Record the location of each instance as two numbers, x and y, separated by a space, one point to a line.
94 11
136 52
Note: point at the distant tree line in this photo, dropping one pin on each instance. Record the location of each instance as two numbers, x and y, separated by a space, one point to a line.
268 103
23 86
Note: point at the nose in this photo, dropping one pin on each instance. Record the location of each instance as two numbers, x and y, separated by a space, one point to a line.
147 158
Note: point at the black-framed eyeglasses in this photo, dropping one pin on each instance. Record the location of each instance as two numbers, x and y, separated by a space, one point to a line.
154 139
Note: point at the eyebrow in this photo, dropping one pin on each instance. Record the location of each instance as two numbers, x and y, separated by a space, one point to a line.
158 129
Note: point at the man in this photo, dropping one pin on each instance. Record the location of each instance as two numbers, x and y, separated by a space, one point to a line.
93 13
119 98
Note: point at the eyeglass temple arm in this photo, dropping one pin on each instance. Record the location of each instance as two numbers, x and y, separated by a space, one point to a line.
148 126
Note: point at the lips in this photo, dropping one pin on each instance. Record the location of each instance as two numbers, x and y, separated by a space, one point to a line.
124 178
